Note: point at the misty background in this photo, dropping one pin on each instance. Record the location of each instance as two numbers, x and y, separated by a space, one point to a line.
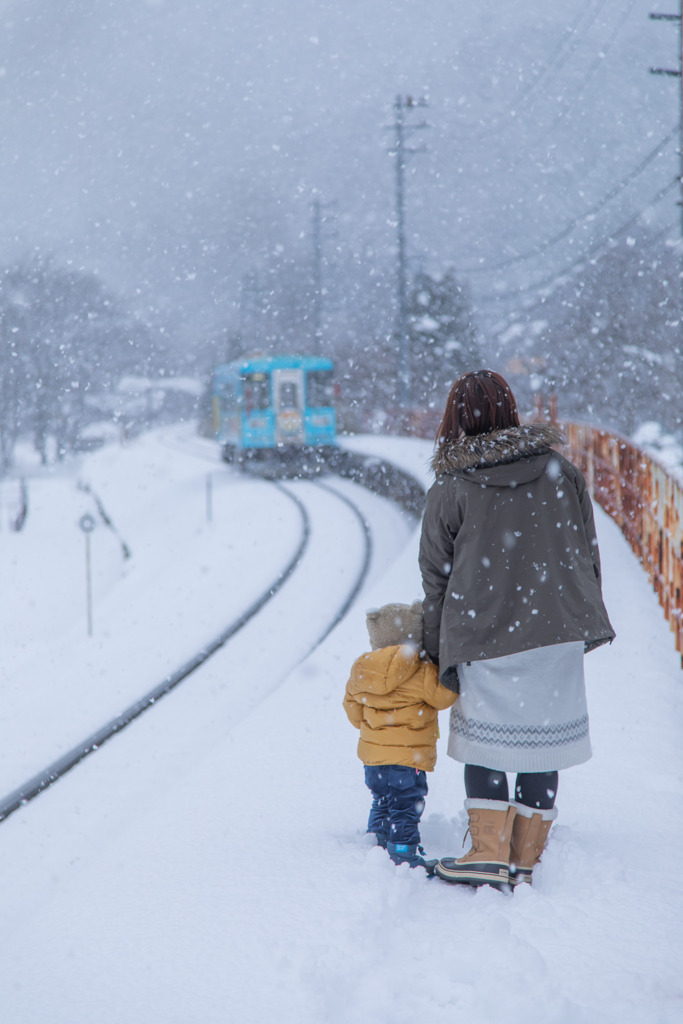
184 181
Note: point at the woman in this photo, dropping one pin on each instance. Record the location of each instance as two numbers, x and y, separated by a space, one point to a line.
511 575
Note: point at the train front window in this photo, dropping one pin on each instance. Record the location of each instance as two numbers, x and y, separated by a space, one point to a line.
256 390
287 395
320 388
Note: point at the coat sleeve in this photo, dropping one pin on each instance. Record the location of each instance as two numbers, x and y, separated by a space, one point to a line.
353 709
588 521
436 695
436 560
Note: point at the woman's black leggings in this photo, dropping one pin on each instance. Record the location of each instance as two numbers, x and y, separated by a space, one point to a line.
533 789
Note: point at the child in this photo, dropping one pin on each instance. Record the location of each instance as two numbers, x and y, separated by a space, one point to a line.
393 697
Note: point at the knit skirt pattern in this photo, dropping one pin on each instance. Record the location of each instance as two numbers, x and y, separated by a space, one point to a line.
523 712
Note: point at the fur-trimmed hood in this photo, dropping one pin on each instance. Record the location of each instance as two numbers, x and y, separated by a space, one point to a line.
500 447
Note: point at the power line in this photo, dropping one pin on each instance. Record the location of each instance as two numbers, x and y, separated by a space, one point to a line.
602 245
597 63
575 43
552 67
540 249
677 73
563 113
530 310
593 211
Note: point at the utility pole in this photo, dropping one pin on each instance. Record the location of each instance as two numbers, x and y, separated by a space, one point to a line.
317 275
676 73
317 278
249 308
402 106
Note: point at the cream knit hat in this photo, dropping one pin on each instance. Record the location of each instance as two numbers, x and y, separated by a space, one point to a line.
394 624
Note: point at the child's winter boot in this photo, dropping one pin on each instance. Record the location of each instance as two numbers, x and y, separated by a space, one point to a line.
380 835
487 863
378 822
402 853
529 836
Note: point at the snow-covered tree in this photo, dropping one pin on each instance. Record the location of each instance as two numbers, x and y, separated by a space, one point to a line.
442 336
63 339
608 340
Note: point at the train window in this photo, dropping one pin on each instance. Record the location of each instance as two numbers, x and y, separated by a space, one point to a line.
287 395
320 388
256 390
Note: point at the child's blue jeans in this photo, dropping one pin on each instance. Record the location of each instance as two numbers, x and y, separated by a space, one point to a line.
398 801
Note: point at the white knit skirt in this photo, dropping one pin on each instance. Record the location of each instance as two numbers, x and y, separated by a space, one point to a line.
523 712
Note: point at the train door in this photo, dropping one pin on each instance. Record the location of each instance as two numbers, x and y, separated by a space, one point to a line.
288 391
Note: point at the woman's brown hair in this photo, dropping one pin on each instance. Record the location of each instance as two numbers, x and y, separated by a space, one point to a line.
478 403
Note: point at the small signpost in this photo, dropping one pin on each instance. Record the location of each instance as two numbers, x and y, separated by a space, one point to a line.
209 498
87 524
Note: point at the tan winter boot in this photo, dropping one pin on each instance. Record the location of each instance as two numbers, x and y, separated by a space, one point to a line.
487 863
529 836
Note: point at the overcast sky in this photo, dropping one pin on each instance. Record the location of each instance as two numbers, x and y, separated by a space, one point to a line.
175 145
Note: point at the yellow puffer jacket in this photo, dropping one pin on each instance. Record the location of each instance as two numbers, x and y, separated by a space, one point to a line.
394 698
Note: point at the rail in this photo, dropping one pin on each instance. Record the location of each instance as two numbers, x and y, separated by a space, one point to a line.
390 479
45 778
644 501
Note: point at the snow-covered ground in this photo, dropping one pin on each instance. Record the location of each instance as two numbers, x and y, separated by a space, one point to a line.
208 864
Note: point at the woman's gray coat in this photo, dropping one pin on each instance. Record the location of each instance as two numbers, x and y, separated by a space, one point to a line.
508 553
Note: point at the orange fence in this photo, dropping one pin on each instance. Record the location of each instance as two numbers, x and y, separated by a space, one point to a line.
644 501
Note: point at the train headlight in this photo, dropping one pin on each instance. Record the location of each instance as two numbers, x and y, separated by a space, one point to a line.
289 422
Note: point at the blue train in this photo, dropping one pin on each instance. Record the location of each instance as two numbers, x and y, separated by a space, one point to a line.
273 409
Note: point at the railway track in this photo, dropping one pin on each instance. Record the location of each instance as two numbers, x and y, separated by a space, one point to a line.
41 781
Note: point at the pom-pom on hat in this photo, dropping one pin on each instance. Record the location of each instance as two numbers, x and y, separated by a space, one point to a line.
394 624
